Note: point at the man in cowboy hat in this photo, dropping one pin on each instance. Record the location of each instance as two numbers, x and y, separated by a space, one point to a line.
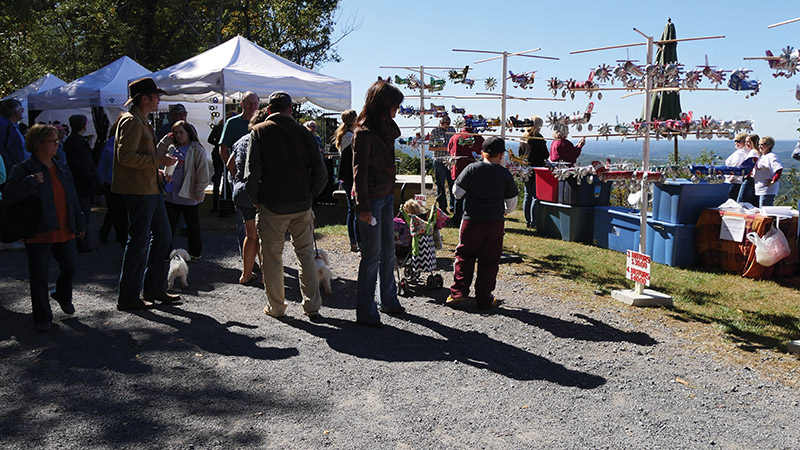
135 176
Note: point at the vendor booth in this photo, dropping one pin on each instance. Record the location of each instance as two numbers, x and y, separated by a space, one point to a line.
105 88
47 82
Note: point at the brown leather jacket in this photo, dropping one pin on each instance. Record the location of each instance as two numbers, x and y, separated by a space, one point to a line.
373 167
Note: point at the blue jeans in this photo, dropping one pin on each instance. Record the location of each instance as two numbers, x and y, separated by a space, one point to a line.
377 262
144 262
352 215
66 255
747 193
528 204
443 177
766 200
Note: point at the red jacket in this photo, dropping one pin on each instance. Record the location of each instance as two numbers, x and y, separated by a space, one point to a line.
460 150
563 150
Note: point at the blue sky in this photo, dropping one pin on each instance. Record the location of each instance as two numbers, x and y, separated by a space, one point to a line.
413 33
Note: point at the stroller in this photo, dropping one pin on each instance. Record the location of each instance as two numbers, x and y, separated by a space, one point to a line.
416 251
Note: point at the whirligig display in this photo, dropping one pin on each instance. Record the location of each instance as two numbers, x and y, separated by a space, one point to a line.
522 80
460 77
577 120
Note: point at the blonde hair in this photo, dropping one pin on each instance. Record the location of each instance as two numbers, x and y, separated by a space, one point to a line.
537 126
768 142
413 207
742 136
36 134
348 118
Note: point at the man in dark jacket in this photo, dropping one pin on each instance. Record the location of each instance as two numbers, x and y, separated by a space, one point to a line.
84 171
284 173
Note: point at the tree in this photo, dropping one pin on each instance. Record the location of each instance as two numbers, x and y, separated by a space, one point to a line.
71 38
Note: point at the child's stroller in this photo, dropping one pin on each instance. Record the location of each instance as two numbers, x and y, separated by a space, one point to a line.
416 251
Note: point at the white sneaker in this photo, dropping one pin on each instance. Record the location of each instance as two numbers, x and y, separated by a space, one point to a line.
12 246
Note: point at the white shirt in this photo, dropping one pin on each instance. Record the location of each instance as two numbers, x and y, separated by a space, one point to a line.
735 160
763 172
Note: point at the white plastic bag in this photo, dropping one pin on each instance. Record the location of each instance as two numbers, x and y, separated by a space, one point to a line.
771 248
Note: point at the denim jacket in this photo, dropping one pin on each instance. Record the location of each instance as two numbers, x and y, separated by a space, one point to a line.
21 184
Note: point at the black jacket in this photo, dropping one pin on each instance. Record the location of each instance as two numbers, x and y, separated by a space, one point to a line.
79 159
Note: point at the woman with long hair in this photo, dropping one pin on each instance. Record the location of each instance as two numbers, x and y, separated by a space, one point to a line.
747 190
61 221
186 186
343 139
373 185
534 151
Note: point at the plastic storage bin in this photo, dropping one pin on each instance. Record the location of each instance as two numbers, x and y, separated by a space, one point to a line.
672 244
565 222
616 228
681 201
546 185
596 193
547 220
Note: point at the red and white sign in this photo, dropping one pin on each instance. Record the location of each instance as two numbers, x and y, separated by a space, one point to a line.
638 268
421 200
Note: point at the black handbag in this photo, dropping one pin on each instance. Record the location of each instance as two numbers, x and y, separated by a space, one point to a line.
20 220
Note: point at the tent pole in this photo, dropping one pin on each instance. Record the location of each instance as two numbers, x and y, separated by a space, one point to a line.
503 97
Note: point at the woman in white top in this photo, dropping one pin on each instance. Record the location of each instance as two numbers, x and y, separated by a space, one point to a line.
746 192
766 173
734 160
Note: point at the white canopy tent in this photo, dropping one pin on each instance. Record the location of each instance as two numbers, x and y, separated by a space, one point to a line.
47 82
237 66
106 87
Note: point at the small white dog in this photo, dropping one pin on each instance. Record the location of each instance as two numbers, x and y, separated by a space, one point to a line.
324 274
178 269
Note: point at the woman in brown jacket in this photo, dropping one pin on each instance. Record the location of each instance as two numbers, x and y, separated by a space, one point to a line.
373 184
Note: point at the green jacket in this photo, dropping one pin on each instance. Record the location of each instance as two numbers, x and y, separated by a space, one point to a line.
136 164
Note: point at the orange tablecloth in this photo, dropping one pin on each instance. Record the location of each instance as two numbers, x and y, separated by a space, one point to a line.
740 257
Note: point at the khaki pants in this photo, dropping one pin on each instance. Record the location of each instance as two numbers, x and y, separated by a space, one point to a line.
272 229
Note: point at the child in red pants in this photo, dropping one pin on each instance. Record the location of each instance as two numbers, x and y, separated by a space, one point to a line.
490 193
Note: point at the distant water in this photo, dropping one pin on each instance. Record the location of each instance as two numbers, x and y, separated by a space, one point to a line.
660 150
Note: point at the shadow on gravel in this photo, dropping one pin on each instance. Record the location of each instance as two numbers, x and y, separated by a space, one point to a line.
213 336
594 330
468 347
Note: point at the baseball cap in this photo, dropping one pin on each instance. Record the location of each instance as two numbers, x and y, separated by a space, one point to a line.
494 145
279 101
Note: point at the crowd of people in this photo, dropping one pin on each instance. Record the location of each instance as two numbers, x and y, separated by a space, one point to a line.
273 168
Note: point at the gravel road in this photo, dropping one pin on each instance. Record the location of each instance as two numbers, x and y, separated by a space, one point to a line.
215 372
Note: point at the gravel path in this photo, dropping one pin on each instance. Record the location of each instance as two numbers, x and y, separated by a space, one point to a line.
215 372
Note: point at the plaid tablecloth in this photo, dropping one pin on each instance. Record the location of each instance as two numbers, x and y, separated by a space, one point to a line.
740 257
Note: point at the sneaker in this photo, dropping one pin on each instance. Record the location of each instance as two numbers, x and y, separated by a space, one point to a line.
362 323
44 327
12 246
493 304
452 301
354 248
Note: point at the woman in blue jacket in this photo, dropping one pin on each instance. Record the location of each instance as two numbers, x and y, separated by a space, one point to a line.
61 221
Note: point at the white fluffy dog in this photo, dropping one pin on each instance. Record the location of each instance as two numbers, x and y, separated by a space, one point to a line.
178 269
324 274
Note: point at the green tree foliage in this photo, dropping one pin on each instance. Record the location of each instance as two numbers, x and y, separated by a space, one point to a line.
70 38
